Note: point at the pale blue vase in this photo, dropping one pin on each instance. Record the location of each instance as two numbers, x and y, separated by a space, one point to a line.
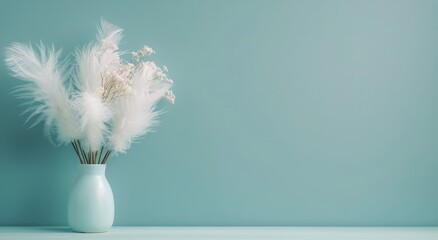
91 202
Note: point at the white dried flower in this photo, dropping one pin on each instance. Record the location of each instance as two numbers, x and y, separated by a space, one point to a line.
169 96
146 51
114 85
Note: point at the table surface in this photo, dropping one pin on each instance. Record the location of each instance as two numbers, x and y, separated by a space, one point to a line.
229 233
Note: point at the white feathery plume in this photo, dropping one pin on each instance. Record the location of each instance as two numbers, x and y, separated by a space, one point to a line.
96 58
87 76
134 118
135 114
108 40
44 89
93 64
94 116
109 32
88 82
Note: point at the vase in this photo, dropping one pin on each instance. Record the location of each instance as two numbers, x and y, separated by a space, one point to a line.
91 201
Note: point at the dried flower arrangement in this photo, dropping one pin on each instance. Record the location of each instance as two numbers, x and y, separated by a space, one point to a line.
100 104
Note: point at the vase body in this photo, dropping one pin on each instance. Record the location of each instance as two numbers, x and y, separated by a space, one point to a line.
91 201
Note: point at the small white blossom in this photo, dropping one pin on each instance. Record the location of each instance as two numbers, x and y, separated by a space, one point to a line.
146 51
169 96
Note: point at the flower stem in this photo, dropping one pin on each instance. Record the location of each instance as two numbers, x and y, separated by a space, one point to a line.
100 155
77 151
107 154
83 152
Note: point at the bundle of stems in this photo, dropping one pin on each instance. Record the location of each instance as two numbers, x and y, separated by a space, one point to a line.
90 157
99 104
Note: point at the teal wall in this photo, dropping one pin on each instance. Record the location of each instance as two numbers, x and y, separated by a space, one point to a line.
287 113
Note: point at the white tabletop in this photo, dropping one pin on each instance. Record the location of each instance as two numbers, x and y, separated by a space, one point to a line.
229 233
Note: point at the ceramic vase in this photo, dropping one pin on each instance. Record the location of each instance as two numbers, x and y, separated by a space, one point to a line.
91 201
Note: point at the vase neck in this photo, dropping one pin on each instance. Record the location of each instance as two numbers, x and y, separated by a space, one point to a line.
92 169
